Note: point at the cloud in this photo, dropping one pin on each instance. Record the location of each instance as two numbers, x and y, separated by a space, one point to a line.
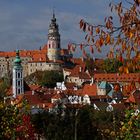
24 24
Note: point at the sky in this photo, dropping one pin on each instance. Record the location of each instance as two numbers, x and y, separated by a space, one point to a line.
24 23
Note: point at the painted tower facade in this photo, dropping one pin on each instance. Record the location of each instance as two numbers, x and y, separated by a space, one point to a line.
53 40
18 87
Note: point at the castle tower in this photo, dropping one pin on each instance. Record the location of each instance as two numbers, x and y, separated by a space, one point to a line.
17 76
53 40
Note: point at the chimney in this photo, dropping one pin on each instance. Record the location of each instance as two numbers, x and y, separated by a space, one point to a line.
33 92
82 58
43 105
80 69
92 80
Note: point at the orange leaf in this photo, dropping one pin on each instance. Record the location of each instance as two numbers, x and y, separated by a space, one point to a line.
130 35
101 42
89 28
108 39
81 23
97 44
88 39
97 30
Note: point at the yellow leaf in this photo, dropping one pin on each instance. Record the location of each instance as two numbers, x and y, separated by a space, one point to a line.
108 39
130 35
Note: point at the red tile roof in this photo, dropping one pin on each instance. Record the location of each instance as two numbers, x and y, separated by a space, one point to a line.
89 89
114 77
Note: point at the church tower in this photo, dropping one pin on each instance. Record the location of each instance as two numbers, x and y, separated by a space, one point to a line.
17 76
53 40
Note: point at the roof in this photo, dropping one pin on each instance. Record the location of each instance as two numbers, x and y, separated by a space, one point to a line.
113 77
70 85
79 71
134 97
119 107
89 89
104 85
101 105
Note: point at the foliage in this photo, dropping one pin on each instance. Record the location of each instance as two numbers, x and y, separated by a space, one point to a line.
130 127
49 78
90 65
45 78
76 124
4 85
111 65
14 124
123 37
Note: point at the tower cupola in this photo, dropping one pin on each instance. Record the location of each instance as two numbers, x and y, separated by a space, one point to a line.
18 87
53 40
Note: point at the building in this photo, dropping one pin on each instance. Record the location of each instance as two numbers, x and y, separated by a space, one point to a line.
18 87
48 57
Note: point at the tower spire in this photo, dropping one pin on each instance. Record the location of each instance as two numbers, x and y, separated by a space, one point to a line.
53 13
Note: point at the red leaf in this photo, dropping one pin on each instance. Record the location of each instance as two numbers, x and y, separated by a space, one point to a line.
81 46
84 53
84 27
81 23
69 47
91 49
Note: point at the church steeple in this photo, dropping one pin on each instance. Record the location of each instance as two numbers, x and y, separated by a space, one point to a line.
53 40
17 76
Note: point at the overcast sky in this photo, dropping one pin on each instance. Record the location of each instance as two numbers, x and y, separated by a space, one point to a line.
24 23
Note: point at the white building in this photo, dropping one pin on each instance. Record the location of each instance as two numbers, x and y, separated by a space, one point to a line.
18 87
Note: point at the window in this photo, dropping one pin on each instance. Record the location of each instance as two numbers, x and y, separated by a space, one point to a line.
18 75
18 83
18 91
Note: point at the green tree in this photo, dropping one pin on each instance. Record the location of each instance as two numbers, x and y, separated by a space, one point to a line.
15 123
49 78
45 78
111 65
5 83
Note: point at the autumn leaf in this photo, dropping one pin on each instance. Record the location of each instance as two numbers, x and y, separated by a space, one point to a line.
97 30
107 39
81 46
130 35
84 26
92 39
101 42
88 40
81 23
91 49
84 53
69 47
